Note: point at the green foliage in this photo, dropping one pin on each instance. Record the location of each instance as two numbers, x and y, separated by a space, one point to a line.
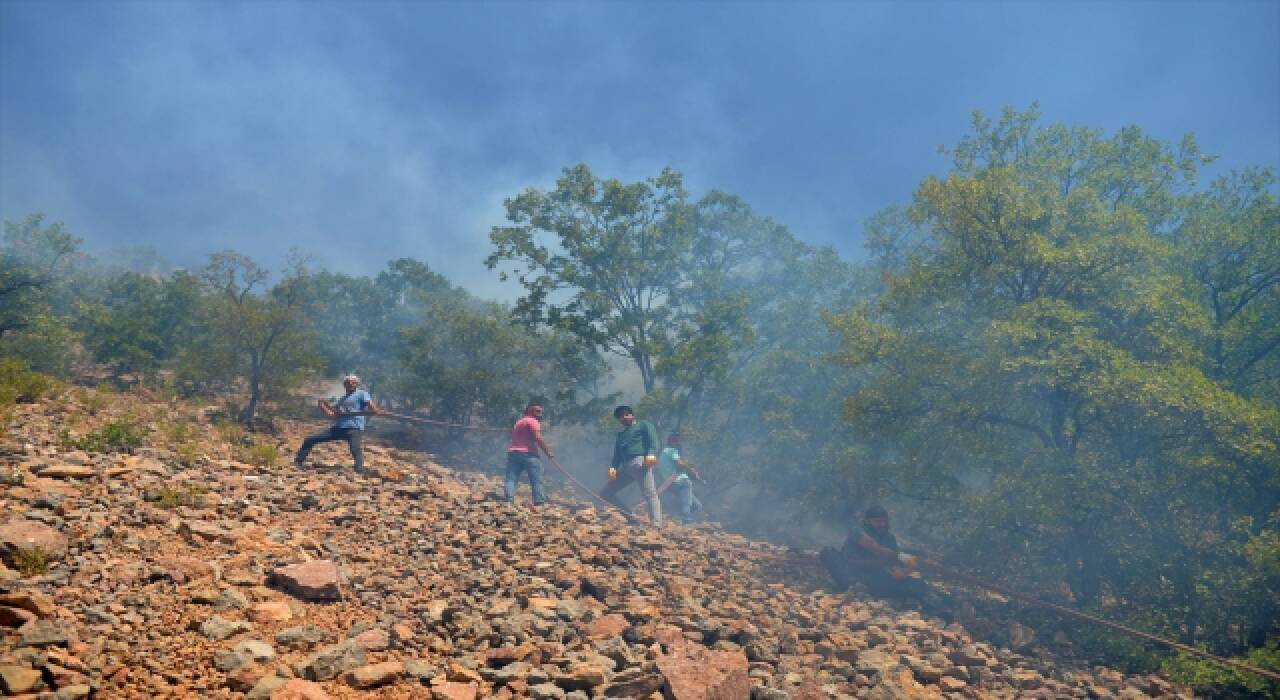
470 362
35 262
259 454
143 322
263 340
1053 367
617 258
1202 673
116 436
187 494
232 433
31 561
18 384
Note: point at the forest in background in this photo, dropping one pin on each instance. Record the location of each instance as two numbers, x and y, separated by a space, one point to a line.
1062 357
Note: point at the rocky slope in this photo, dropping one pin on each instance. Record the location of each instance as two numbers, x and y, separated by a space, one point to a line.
221 579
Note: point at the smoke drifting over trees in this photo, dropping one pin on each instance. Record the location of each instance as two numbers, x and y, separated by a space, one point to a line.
1062 358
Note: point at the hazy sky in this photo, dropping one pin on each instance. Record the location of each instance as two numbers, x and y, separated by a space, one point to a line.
372 130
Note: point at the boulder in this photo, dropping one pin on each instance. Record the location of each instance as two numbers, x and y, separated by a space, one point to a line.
316 580
29 534
703 674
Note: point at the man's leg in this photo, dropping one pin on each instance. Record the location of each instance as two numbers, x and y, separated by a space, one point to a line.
684 498
534 466
355 440
650 489
513 476
311 441
611 489
834 561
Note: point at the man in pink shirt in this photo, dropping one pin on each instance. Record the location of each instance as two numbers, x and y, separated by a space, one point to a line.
526 440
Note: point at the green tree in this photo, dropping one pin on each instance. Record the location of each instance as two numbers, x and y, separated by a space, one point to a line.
1041 365
261 338
143 322
36 262
611 272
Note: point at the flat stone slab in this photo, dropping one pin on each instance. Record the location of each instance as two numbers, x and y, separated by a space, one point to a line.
28 534
317 580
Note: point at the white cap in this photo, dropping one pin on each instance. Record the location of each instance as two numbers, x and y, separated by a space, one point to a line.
351 378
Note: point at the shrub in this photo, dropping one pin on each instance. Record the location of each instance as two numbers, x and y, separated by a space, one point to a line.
233 433
116 436
187 453
262 455
30 561
169 497
18 384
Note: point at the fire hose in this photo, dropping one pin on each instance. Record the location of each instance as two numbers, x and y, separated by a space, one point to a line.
975 582
924 564
585 489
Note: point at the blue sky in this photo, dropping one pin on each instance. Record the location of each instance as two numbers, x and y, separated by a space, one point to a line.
362 132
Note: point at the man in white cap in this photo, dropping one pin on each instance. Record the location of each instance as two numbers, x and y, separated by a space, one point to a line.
348 415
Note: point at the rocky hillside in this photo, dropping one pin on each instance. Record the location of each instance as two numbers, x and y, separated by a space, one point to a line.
182 569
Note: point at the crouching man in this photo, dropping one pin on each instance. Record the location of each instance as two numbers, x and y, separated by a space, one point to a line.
870 557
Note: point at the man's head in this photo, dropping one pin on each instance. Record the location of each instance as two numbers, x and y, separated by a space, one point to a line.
350 382
625 415
876 517
534 409
674 439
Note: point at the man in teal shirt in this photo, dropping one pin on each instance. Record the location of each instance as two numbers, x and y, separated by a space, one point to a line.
635 454
671 467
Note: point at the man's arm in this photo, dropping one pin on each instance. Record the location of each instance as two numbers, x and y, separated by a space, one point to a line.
688 469
874 547
617 451
537 438
326 408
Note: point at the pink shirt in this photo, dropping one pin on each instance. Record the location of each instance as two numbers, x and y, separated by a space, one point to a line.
522 435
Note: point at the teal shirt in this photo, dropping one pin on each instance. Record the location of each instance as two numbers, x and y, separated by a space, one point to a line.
668 464
640 439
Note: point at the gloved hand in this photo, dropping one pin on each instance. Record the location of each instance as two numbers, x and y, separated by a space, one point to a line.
613 474
650 460
908 560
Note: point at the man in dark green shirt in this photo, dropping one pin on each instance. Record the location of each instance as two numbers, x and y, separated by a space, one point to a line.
635 453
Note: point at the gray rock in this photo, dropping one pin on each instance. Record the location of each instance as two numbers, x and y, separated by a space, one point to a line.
303 637
227 660
98 616
546 691
231 599
256 649
73 692
334 660
422 670
45 633
263 689
219 628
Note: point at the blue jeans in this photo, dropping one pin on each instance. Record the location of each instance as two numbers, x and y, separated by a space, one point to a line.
682 491
520 462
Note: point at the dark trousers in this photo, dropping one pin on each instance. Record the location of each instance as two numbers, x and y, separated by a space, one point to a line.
352 436
633 469
876 579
